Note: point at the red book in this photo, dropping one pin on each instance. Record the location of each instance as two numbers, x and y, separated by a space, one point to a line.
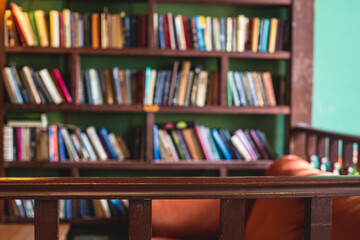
21 36
248 42
186 32
166 32
258 144
61 28
140 86
201 141
62 85
142 31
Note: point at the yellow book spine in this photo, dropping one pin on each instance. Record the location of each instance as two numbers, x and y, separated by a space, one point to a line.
41 26
273 33
54 29
255 35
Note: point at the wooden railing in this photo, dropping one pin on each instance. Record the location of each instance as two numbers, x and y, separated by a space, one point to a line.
318 192
326 144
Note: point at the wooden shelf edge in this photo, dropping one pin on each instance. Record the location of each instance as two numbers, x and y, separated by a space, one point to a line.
233 2
139 109
280 55
142 165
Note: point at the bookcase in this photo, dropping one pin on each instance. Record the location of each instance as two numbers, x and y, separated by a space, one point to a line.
299 69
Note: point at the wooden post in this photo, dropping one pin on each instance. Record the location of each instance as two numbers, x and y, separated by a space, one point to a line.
310 145
149 136
347 157
333 153
46 220
232 219
318 218
140 220
150 26
224 68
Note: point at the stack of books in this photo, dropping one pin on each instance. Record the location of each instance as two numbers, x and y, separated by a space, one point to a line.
250 89
26 140
231 34
72 29
189 141
24 85
103 208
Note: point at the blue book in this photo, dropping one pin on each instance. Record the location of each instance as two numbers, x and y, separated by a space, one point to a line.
115 73
147 85
90 208
82 208
120 210
88 86
265 38
17 90
220 144
166 87
62 155
102 85
104 135
157 88
161 32
199 33
252 89
156 144
176 90
127 33
222 34
72 33
261 31
19 206
68 212
39 86
241 88
51 145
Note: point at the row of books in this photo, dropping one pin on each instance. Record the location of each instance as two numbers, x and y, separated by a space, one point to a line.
24 208
231 34
250 89
72 29
24 85
35 141
103 208
181 88
187 140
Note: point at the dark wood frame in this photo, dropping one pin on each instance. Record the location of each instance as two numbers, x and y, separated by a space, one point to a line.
300 70
232 192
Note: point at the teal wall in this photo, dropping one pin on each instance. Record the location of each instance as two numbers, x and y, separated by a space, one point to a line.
336 66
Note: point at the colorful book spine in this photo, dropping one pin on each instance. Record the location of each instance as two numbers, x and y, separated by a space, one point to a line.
156 143
62 85
221 145
103 132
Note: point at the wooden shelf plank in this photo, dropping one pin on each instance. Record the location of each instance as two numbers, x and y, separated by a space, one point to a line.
280 55
227 110
77 221
141 165
285 110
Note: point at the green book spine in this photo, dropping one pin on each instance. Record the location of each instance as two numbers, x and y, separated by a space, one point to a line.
33 25
229 91
177 144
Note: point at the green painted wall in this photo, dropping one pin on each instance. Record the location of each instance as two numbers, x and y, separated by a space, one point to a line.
336 64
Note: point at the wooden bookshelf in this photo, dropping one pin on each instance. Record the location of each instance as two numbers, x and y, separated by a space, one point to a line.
299 62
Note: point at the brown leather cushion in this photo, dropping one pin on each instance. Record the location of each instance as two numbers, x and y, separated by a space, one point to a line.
185 219
283 219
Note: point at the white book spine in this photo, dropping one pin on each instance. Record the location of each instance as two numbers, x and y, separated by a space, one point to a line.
69 145
152 86
88 146
95 87
49 84
31 83
208 34
240 147
94 139
8 144
10 85
242 33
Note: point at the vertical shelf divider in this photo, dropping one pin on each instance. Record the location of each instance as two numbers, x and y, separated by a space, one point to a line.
149 136
150 27
74 68
224 68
